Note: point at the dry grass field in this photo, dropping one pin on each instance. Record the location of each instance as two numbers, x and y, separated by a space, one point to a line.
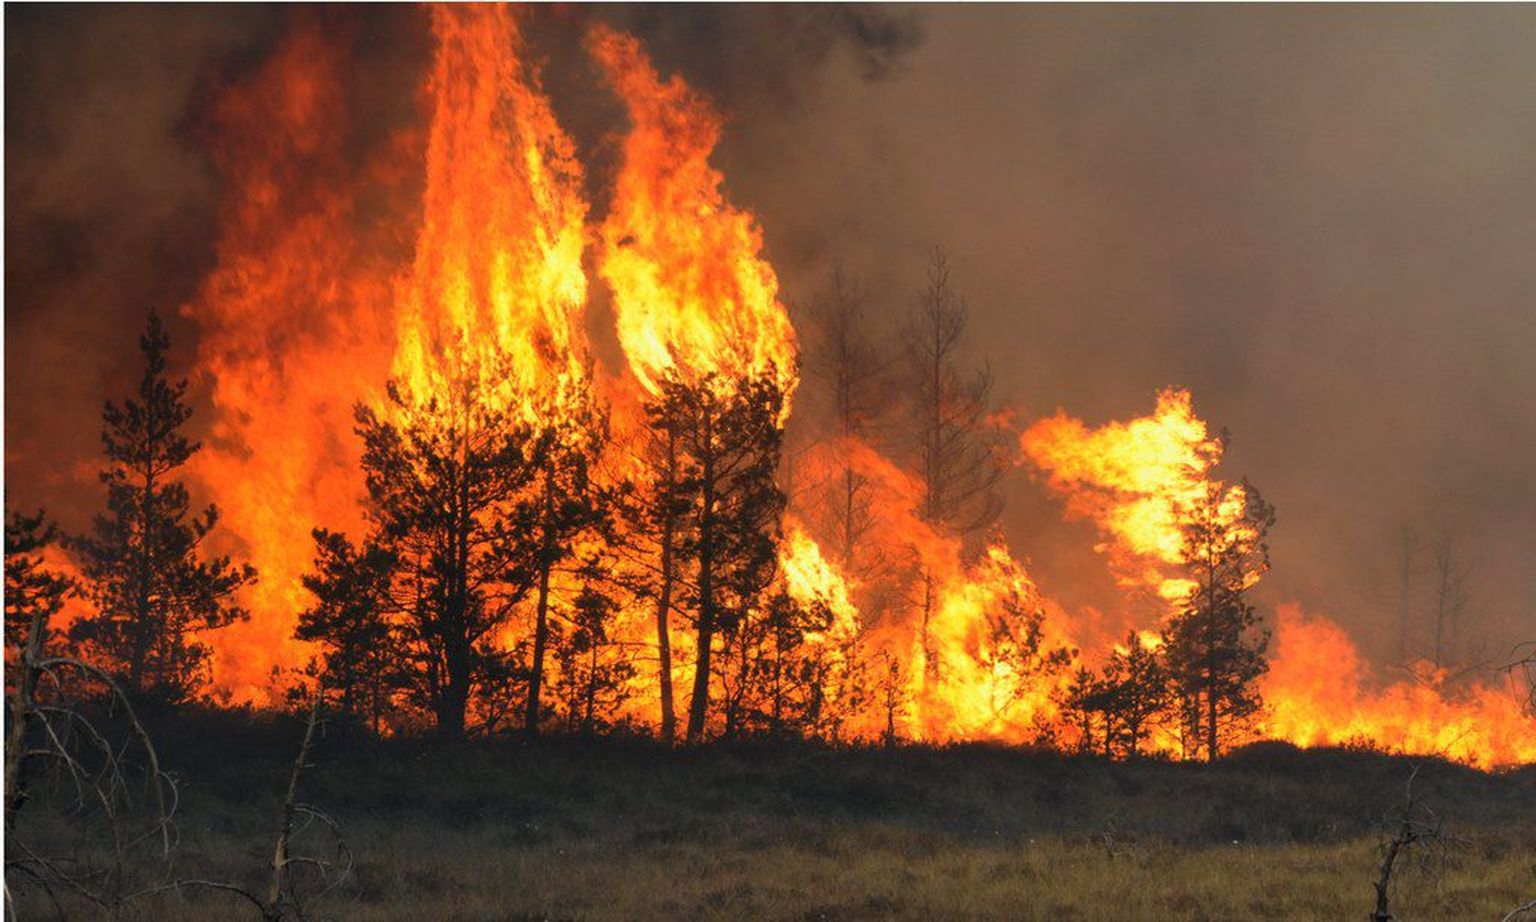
623 829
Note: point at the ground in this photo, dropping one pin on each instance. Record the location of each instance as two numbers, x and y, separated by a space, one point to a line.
625 829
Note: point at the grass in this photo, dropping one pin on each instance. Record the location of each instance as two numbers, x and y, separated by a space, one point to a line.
623 829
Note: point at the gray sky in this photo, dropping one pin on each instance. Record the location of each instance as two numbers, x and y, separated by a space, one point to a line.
1319 219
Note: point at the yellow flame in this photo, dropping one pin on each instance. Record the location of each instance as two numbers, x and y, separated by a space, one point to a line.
692 293
497 276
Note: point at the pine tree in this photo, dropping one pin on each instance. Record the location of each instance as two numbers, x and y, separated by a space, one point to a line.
891 694
774 668
855 381
34 593
351 621
1133 695
450 498
956 455
571 504
727 506
595 671
145 573
1215 647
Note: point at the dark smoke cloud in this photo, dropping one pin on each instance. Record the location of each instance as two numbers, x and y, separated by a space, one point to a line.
1321 220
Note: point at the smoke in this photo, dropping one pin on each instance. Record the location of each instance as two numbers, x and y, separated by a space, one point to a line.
1318 220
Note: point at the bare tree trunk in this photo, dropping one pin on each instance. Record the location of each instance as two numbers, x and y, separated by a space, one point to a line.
698 706
21 716
280 861
541 622
664 600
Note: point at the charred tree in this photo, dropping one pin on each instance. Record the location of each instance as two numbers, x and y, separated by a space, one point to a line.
1451 574
1215 647
854 378
152 587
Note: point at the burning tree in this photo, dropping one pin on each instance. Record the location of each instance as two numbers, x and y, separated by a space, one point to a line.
1215 651
571 505
1130 698
855 380
595 669
151 586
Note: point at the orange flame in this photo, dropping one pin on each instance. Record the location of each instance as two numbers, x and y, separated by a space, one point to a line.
295 328
810 578
307 312
692 294
1320 691
497 282
1136 481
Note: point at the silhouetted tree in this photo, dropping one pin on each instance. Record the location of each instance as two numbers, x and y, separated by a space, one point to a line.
854 378
145 574
595 671
351 621
891 694
727 505
1082 703
1214 646
956 454
571 504
787 670
1133 694
1451 574
31 586
449 494
647 562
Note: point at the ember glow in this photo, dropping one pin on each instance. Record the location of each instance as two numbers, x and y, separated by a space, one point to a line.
485 267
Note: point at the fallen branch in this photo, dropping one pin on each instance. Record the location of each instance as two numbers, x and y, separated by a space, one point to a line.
1519 911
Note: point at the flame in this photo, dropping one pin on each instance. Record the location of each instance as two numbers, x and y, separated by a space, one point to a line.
294 329
962 688
692 294
497 284
810 578
1320 691
1136 481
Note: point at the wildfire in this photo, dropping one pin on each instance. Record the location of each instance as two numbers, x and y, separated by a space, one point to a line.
809 578
692 294
310 310
971 682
